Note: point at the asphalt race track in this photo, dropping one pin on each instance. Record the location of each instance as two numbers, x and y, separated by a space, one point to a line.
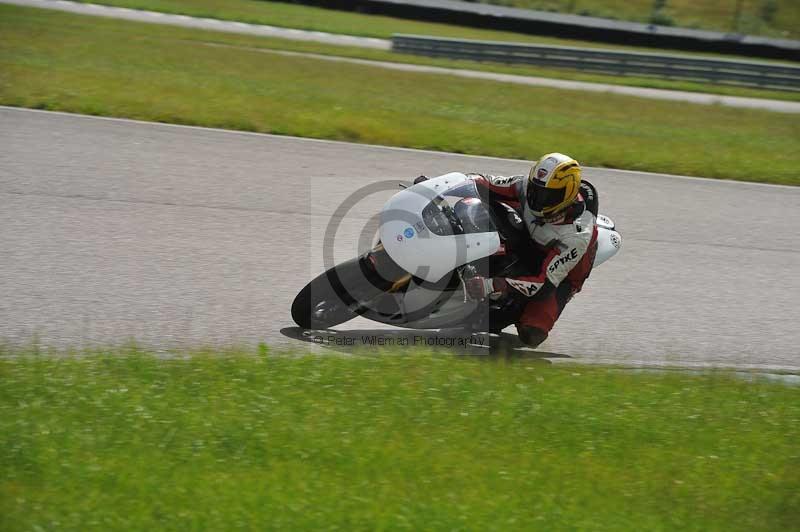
179 236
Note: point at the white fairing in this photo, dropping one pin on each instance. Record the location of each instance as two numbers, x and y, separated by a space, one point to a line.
604 221
608 240
449 313
414 247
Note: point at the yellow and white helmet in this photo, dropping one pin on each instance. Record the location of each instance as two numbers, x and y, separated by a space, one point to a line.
553 185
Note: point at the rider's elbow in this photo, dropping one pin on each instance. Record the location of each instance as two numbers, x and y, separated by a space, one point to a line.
544 292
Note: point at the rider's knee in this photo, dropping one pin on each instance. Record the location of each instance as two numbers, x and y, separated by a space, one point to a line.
531 336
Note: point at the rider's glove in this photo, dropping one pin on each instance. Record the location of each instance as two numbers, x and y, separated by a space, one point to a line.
480 287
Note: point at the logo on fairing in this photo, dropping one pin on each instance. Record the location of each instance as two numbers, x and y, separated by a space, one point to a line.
605 221
524 287
563 259
409 233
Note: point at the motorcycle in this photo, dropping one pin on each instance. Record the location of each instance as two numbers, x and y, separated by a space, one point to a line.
432 236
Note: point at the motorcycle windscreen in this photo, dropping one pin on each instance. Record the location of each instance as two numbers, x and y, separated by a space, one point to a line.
458 212
438 225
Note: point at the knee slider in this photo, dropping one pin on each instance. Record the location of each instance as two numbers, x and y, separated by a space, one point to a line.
531 336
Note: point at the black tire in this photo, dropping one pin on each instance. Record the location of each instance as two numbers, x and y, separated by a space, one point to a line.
332 298
322 313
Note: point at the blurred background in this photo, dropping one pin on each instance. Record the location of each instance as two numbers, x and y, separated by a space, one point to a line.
151 376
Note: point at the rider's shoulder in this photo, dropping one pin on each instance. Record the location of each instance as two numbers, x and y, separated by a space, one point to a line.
577 227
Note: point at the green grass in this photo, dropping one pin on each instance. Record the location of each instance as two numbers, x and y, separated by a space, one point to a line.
311 18
107 67
320 19
128 441
328 20
775 18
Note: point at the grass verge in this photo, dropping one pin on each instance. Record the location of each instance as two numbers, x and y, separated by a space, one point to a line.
311 18
123 440
108 67
290 15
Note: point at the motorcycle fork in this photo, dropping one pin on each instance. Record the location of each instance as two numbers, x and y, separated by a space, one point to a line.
382 272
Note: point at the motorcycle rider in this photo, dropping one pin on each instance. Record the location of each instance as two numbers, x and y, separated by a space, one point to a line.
556 212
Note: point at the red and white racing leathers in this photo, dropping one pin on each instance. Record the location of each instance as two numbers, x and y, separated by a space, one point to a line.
568 245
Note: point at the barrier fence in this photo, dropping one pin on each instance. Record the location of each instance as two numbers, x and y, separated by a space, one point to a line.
665 66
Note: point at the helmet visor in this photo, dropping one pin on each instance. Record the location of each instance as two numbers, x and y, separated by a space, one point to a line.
540 197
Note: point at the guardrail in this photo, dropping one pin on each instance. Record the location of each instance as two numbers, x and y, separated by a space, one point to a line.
722 71
567 26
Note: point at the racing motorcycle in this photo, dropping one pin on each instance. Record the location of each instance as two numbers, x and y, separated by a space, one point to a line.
432 236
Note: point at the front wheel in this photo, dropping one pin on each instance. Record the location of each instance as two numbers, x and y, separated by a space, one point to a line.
333 297
317 306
